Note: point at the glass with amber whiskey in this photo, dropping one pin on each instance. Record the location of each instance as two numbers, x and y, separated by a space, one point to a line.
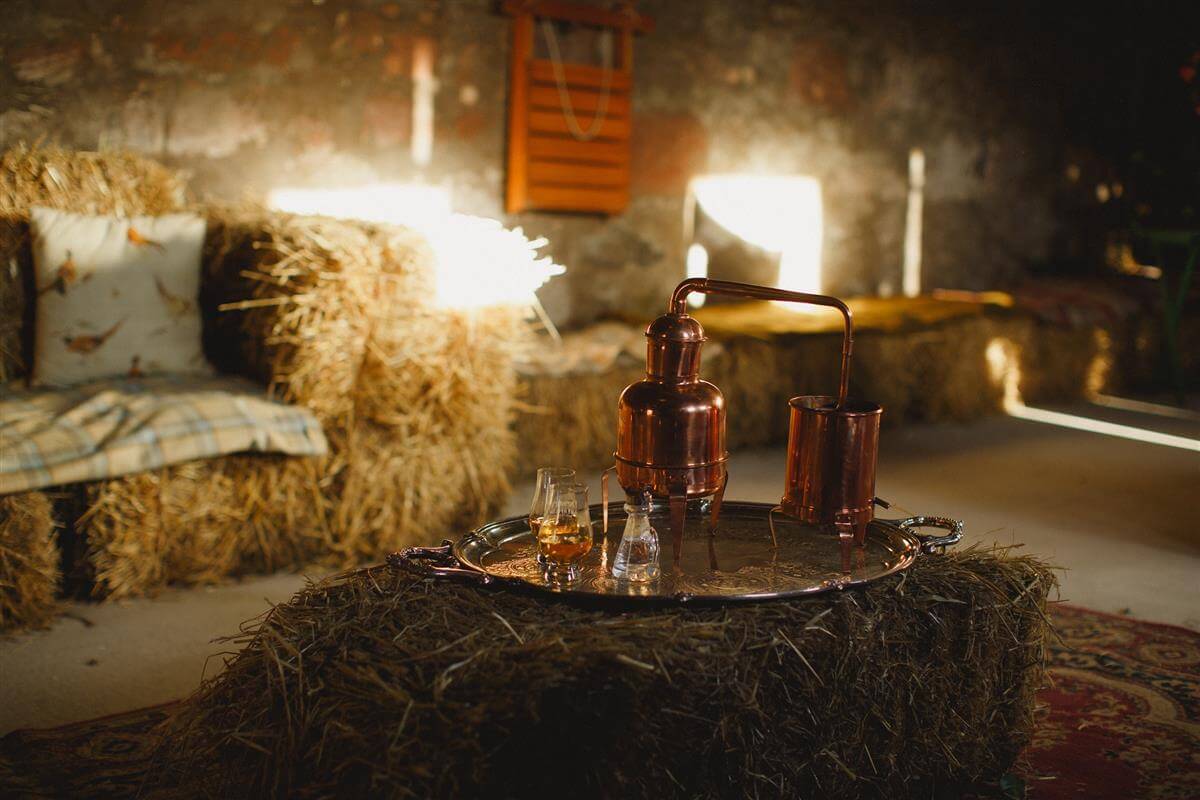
547 479
564 536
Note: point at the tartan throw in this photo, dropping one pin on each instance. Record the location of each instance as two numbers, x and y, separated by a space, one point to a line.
52 437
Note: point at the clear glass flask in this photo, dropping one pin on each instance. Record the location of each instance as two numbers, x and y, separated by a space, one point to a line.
637 554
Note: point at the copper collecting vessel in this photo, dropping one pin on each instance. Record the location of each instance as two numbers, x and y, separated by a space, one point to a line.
671 424
832 453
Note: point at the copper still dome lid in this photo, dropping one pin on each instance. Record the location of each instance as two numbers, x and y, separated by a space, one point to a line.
673 327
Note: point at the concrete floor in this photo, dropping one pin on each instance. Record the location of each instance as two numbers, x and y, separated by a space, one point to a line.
1118 515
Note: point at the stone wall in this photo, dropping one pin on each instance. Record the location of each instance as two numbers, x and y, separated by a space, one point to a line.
251 95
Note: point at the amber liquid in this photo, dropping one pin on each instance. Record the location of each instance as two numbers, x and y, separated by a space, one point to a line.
562 543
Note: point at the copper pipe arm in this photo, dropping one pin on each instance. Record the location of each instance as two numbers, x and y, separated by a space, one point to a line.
705 286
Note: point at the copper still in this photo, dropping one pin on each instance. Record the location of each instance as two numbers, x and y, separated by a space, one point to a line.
671 426
832 452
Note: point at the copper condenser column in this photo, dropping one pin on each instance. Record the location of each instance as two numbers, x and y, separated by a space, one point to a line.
831 460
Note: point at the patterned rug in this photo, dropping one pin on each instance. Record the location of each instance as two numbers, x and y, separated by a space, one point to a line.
1123 712
1121 720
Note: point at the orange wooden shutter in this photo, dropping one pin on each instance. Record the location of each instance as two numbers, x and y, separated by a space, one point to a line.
549 167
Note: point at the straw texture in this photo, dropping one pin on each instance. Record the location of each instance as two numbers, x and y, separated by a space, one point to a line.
84 183
924 362
338 316
28 562
389 684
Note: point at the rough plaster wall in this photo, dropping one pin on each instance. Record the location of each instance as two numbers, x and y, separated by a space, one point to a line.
247 96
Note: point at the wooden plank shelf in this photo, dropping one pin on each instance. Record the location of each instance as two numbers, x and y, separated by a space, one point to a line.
574 198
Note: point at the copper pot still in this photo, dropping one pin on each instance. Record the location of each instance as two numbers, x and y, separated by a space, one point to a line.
671 427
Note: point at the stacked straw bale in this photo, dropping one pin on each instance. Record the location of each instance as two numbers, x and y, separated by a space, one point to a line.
336 316
28 562
394 685
198 522
84 183
932 372
416 401
919 370
918 374
568 396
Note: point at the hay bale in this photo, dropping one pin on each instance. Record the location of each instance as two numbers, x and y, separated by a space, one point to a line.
85 183
28 562
570 419
386 683
923 360
292 301
416 401
918 372
759 376
198 522
1064 364
924 370
437 389
333 315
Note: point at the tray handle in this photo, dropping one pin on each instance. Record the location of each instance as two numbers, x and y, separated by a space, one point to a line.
930 544
440 562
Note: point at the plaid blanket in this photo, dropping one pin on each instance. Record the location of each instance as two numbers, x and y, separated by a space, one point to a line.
52 437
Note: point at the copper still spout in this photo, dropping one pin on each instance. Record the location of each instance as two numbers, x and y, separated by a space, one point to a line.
705 286
671 424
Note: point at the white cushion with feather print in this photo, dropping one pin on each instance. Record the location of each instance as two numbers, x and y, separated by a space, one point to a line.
116 297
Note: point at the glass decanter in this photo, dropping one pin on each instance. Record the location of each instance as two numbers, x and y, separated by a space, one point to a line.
637 554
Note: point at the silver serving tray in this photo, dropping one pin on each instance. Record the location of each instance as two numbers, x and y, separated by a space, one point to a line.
733 561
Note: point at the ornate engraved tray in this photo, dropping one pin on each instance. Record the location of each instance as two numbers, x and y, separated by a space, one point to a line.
731 562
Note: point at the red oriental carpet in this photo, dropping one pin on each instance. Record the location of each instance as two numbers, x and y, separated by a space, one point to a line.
1121 719
1123 711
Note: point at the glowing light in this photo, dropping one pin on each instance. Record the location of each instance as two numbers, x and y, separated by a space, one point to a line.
477 261
1120 256
1005 371
1142 407
780 214
1101 366
697 267
424 85
410 204
1107 428
481 263
911 283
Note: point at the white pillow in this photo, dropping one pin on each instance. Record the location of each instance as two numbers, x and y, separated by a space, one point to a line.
116 297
